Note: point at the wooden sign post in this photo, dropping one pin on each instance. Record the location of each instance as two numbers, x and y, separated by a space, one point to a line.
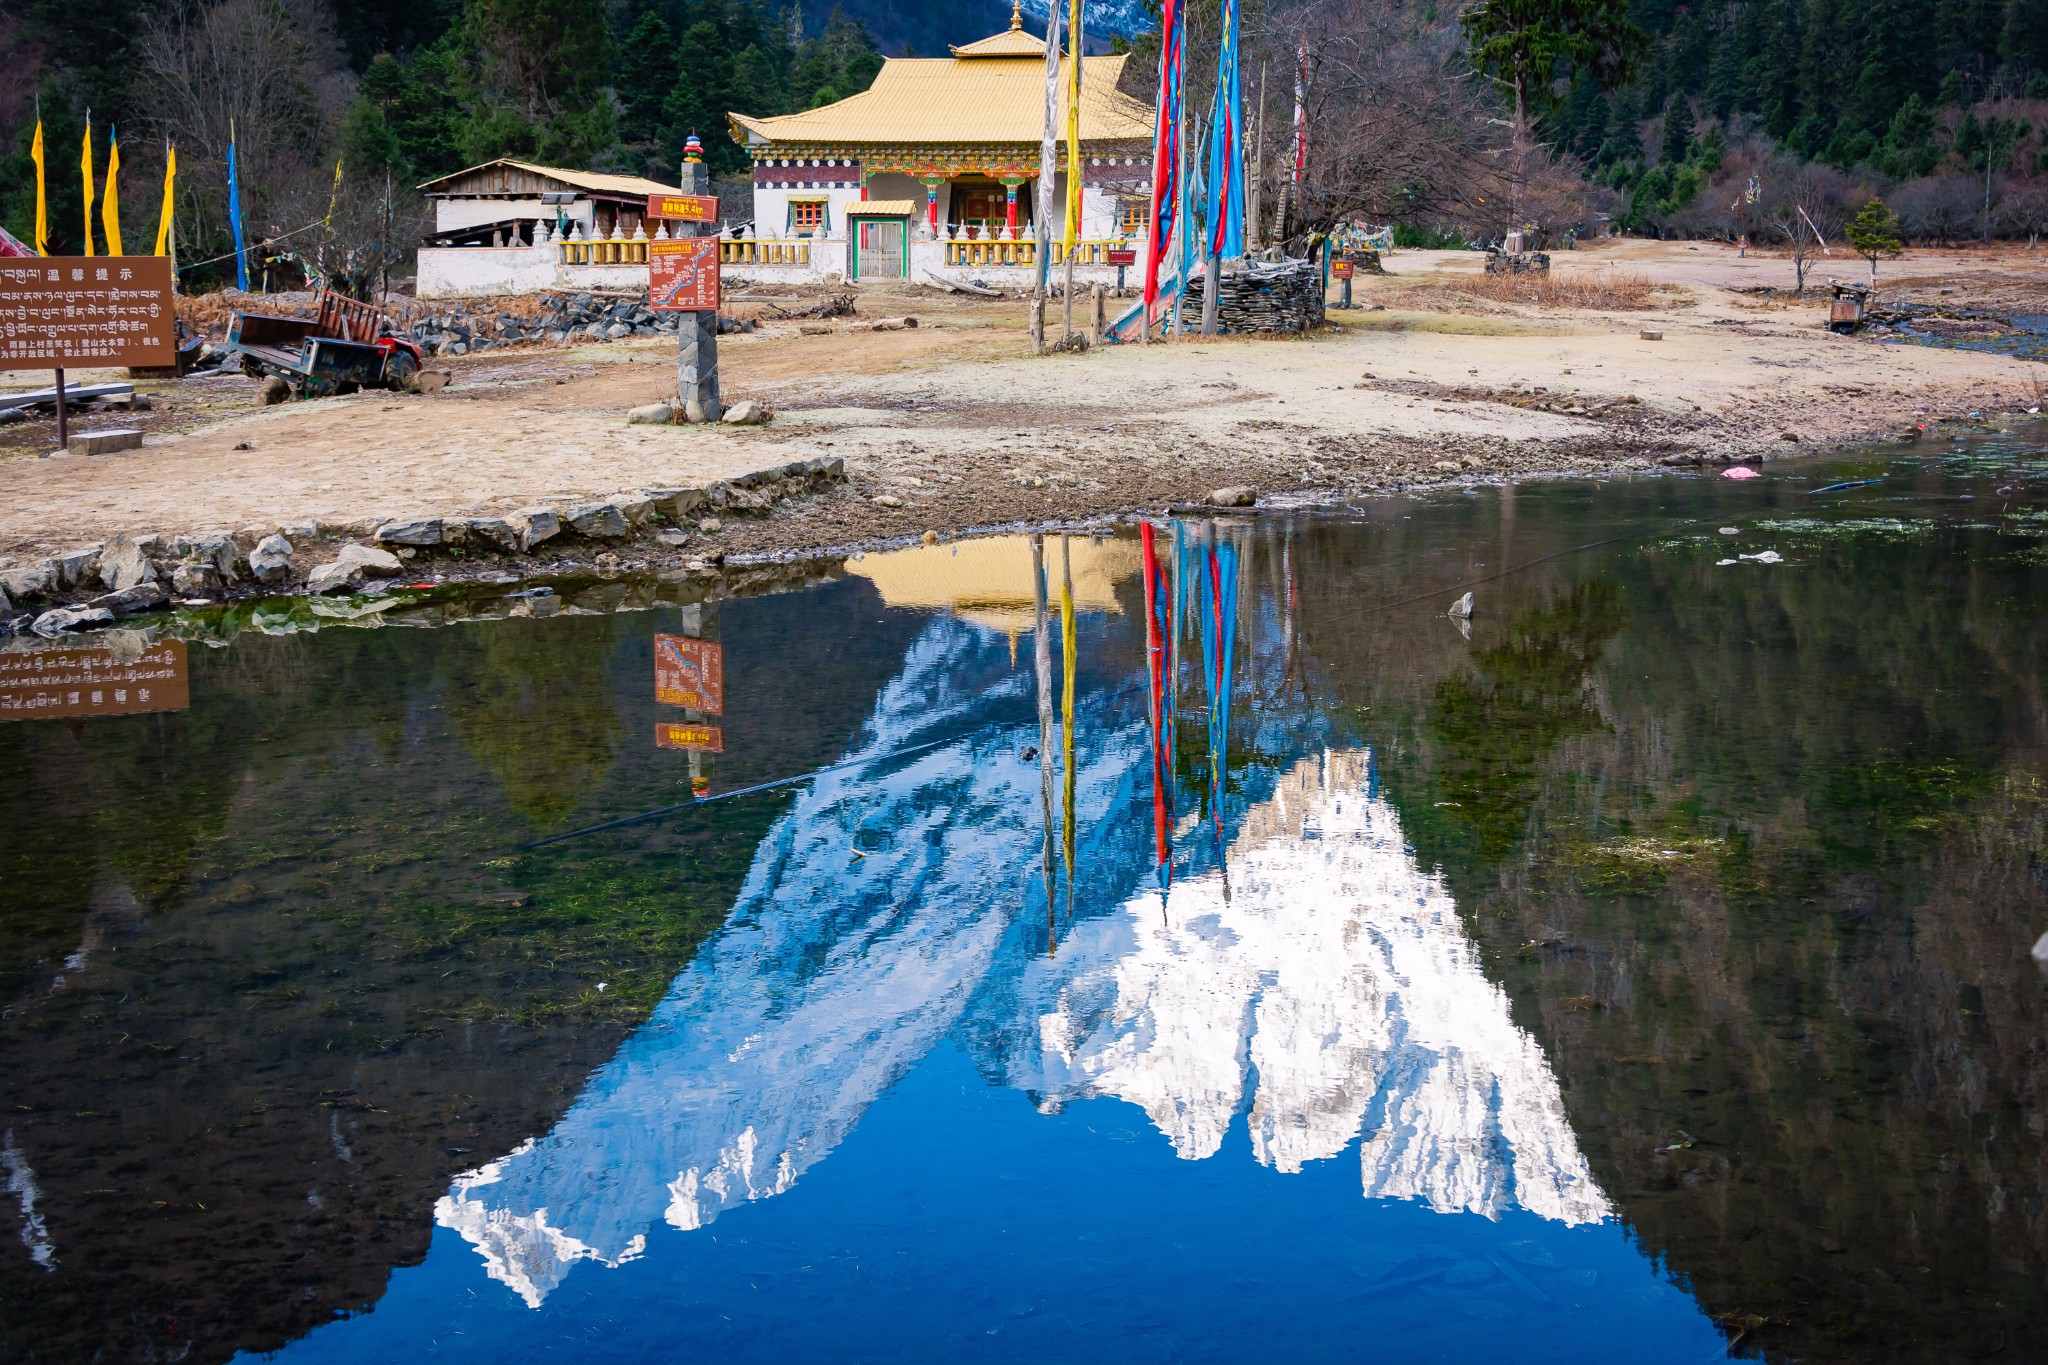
1344 269
682 276
57 311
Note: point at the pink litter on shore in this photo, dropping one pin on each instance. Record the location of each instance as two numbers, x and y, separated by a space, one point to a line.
1739 472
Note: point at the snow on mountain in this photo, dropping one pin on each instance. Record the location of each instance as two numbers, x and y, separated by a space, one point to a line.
829 981
1334 988
1328 991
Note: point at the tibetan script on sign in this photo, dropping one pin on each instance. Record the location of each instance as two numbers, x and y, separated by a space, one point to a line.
689 672
51 683
703 739
686 208
85 311
682 275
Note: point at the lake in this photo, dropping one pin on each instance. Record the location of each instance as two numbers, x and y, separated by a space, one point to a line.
1186 943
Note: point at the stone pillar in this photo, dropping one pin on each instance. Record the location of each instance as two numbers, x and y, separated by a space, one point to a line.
697 337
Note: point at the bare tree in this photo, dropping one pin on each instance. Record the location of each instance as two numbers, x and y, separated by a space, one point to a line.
1938 208
1806 211
267 74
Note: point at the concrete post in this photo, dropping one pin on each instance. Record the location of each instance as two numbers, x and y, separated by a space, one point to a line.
697 337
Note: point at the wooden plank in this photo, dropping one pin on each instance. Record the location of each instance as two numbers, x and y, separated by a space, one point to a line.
73 393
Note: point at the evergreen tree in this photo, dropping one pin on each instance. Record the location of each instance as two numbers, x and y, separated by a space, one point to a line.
1725 74
1874 233
1909 148
644 74
1677 131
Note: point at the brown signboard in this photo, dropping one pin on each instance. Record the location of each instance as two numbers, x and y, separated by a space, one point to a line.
685 208
703 739
59 312
689 672
1341 270
51 683
682 275
1122 255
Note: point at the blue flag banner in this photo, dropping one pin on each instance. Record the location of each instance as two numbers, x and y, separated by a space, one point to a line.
1226 150
235 222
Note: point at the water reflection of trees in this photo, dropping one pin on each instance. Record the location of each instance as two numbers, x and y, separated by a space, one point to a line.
1762 873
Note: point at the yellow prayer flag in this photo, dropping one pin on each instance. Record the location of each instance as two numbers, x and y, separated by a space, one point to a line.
1074 41
85 165
110 202
35 151
163 218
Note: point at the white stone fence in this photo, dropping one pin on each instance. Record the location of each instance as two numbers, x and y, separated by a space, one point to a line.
578 261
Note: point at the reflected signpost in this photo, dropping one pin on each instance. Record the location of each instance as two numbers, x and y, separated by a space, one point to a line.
689 671
76 683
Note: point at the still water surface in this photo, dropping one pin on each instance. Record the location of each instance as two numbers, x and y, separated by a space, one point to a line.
1179 947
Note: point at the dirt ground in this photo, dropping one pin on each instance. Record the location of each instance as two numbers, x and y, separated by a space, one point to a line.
956 427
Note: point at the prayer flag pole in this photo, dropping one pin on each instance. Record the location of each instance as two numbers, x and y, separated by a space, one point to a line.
1048 170
1072 236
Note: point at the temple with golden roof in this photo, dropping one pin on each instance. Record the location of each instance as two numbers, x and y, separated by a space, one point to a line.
946 149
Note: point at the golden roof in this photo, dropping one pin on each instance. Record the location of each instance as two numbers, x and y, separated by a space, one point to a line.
1014 42
582 180
883 208
992 91
988 581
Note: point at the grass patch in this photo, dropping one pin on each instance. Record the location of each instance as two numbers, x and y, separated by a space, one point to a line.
1606 290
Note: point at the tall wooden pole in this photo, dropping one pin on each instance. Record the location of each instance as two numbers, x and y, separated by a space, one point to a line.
1048 173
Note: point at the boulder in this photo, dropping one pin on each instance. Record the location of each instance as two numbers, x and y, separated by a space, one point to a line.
433 381
636 507
835 468
25 583
747 414
672 535
711 526
219 550
125 563
887 500
533 525
1238 496
685 501
750 502
62 619
497 532
411 531
340 576
198 578
651 415
369 559
271 560
128 601
597 520
77 568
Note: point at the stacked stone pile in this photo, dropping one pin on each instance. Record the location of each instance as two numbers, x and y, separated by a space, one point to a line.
562 319
1283 296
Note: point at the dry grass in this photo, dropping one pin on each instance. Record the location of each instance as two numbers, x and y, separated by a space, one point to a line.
1604 291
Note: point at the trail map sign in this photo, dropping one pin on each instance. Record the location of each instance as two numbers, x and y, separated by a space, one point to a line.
682 275
41 684
689 672
85 311
685 208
